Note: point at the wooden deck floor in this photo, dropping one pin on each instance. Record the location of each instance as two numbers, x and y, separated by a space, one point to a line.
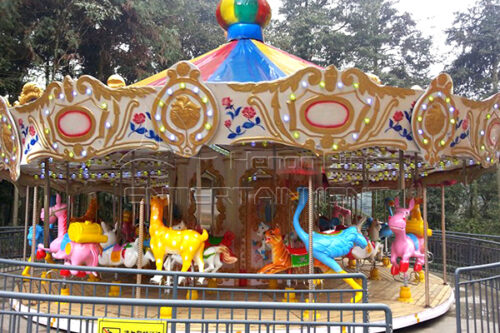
384 291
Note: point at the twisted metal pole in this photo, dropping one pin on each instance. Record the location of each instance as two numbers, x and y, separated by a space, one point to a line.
310 222
141 245
26 221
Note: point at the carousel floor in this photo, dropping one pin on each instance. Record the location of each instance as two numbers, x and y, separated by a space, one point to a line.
384 291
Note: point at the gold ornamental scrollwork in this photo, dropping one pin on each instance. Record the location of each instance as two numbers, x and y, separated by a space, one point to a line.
368 106
434 117
484 139
108 110
185 112
10 147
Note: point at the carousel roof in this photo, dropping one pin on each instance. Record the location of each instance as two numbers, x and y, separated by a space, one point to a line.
245 58
245 92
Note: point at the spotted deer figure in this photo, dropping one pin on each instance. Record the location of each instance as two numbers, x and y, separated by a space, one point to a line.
188 244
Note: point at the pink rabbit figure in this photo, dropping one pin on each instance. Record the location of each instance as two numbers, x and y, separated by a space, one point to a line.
404 246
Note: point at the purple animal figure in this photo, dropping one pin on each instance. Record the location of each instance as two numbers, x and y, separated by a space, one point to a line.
404 246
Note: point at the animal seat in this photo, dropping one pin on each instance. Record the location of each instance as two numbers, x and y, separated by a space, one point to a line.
414 239
117 252
297 251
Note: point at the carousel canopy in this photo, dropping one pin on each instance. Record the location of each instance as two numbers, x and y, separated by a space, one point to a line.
245 58
247 92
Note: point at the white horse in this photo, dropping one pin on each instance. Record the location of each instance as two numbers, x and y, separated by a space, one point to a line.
213 256
116 255
374 249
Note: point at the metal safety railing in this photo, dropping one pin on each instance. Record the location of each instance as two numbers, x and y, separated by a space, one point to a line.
241 303
11 242
477 298
289 322
463 250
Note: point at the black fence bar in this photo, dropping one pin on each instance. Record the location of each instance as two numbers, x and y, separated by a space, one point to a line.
477 298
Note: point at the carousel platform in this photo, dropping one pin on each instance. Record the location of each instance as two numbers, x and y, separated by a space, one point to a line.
386 290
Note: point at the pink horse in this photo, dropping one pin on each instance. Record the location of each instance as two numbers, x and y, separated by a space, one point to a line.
79 254
405 246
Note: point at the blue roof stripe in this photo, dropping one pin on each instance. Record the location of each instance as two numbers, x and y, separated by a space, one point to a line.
246 63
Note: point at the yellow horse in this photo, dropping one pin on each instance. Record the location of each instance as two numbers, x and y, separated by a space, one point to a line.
189 244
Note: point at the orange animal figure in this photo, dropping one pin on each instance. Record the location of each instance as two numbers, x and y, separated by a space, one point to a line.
189 244
282 255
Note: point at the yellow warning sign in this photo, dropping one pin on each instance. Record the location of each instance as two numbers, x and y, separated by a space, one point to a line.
131 326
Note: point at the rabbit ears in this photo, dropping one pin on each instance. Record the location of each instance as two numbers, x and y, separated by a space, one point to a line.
410 205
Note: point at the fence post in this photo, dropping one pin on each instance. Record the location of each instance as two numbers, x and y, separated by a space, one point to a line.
388 320
175 285
457 299
365 301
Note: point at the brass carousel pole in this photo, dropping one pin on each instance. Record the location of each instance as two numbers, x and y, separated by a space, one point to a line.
68 196
120 208
15 207
134 214
46 203
198 190
35 214
113 202
426 262
443 234
171 185
141 244
26 221
310 227
148 197
401 179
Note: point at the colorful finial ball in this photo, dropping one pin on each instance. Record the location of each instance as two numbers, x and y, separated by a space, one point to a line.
230 12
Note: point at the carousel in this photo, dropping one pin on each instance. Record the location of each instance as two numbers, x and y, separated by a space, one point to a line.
218 157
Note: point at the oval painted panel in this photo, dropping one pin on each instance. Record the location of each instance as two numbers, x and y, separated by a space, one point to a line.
74 123
327 114
494 133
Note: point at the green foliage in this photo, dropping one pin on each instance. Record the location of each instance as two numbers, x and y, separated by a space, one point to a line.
470 208
476 36
53 38
15 57
370 35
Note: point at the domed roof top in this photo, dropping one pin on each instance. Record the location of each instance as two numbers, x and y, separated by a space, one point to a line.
245 58
243 18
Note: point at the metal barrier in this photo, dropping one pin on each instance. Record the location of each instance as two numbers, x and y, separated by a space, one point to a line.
11 242
463 250
290 321
225 307
477 298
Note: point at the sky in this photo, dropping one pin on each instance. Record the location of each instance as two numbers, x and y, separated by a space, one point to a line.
433 17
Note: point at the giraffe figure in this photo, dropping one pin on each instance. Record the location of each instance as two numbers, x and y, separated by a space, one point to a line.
188 244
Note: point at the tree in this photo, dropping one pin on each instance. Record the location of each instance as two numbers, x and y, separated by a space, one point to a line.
370 35
15 57
476 36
